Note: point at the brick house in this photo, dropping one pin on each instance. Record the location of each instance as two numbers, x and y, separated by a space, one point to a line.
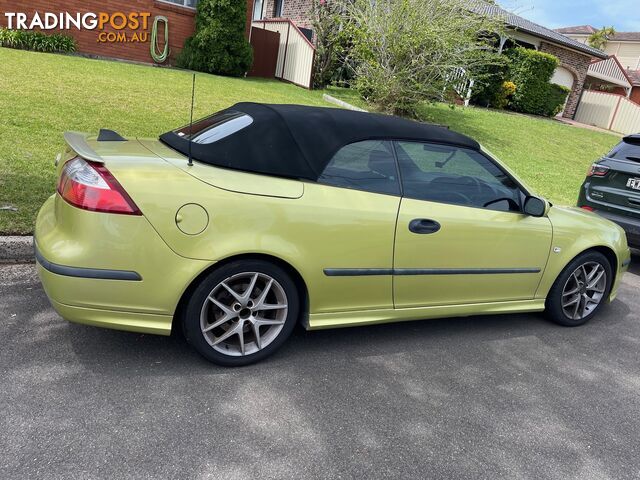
180 15
297 11
624 46
575 57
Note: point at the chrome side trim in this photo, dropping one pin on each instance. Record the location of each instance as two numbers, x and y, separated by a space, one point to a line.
354 272
80 272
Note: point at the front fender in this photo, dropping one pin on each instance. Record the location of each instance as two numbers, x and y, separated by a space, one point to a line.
575 231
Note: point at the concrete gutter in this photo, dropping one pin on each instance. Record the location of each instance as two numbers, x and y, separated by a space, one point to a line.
16 250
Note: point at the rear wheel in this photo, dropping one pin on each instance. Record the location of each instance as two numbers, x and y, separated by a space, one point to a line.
241 312
580 290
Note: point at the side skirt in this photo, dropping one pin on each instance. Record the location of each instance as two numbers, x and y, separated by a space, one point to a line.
317 321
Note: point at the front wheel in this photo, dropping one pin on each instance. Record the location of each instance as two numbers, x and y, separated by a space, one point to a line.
580 290
241 312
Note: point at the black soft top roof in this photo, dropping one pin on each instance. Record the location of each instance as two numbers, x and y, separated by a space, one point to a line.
299 141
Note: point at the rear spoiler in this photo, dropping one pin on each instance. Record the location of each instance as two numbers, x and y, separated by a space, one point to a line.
634 139
78 143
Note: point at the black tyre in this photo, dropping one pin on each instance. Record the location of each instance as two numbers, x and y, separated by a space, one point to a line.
580 290
241 312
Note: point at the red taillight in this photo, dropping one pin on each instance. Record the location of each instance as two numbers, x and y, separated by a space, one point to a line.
588 209
91 186
596 170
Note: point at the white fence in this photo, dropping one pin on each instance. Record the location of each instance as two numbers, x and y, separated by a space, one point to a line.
610 111
461 84
296 53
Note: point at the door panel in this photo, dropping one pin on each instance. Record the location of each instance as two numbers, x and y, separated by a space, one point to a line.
476 255
347 243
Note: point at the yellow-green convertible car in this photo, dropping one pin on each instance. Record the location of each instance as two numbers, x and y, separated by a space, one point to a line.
243 224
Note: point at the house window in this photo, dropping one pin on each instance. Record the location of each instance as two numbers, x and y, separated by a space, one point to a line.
279 7
184 3
257 10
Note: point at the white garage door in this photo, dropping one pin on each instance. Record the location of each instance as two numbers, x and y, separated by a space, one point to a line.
563 77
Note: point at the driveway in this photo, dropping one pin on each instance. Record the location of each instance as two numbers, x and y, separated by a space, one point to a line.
480 397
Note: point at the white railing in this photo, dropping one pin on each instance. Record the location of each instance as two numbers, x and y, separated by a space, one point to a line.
610 71
295 54
461 83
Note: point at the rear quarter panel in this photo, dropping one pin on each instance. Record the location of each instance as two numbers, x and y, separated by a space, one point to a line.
313 232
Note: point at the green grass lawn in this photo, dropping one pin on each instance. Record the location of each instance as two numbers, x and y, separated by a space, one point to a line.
43 95
550 156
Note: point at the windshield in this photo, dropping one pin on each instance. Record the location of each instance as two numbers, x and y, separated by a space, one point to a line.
626 150
215 127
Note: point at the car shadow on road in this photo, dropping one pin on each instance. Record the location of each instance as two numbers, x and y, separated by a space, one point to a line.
99 349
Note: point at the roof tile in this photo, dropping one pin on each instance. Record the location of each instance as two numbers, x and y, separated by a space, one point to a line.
519 23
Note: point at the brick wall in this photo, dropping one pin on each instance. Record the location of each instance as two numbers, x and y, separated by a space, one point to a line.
181 24
635 94
577 64
296 10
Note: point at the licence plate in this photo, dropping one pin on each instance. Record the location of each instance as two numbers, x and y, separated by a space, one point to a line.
634 183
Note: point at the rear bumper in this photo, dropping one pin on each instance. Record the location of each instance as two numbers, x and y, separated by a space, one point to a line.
631 226
114 319
109 270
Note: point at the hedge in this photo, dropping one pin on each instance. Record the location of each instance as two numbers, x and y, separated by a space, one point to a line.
531 72
37 41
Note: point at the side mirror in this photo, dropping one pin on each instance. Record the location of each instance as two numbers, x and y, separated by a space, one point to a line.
534 206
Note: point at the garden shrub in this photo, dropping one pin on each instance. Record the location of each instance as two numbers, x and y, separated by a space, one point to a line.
504 95
488 83
405 52
531 71
219 45
37 41
556 97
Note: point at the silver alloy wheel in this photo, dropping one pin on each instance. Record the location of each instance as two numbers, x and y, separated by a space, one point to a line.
584 290
244 313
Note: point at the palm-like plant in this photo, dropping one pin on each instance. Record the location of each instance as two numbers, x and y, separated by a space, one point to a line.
599 38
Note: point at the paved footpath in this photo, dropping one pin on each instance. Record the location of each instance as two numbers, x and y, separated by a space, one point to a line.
482 397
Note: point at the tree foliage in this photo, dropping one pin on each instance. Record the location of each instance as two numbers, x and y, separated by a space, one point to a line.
407 50
600 38
333 42
219 44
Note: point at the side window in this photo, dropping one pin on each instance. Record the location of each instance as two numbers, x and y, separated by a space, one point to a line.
367 165
447 174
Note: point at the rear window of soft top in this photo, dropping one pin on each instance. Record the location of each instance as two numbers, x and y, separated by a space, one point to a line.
215 127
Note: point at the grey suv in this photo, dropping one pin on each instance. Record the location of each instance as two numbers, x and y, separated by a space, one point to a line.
612 187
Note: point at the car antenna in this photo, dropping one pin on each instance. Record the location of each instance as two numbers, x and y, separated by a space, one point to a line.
193 96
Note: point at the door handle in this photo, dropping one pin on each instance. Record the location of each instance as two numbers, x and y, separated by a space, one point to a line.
423 225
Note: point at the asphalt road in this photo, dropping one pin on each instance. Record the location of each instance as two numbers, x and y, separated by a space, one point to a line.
482 397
